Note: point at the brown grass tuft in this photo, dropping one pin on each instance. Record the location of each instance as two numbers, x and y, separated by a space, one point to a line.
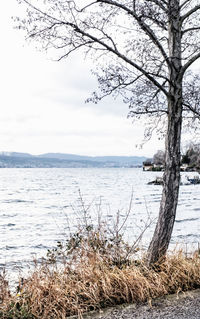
94 283
95 269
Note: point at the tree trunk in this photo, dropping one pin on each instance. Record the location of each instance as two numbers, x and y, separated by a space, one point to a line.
171 179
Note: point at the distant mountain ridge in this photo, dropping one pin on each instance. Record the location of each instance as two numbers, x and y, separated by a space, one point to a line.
16 159
94 158
15 154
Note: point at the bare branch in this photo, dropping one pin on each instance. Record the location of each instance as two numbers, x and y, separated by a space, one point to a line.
190 12
87 6
160 4
184 3
190 29
118 54
192 109
143 26
42 12
160 76
109 38
160 24
148 112
105 45
158 91
189 63
73 49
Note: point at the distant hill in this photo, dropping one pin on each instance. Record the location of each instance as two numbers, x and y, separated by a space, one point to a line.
15 154
137 160
131 160
70 157
14 159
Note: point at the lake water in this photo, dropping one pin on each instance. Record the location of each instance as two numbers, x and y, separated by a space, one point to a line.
36 206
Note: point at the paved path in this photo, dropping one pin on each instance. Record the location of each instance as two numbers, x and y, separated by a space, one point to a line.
182 306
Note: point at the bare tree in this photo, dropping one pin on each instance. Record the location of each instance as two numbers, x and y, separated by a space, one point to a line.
145 50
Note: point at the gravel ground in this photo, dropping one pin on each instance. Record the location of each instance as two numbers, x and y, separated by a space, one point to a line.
182 306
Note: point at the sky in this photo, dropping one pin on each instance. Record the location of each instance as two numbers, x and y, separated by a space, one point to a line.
43 105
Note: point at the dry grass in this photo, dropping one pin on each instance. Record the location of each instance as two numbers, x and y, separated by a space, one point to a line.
4 289
94 282
95 269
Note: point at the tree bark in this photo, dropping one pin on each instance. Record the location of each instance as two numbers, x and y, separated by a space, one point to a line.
171 179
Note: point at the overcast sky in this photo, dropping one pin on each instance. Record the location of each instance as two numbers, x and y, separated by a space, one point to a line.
43 103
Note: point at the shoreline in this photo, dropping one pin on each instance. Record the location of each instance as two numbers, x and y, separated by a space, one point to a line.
183 305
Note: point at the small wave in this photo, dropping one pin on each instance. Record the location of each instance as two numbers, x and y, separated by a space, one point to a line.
188 193
188 236
40 246
186 220
11 247
9 201
8 215
52 207
9 225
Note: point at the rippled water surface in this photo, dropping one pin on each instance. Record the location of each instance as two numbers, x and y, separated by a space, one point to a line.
36 205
